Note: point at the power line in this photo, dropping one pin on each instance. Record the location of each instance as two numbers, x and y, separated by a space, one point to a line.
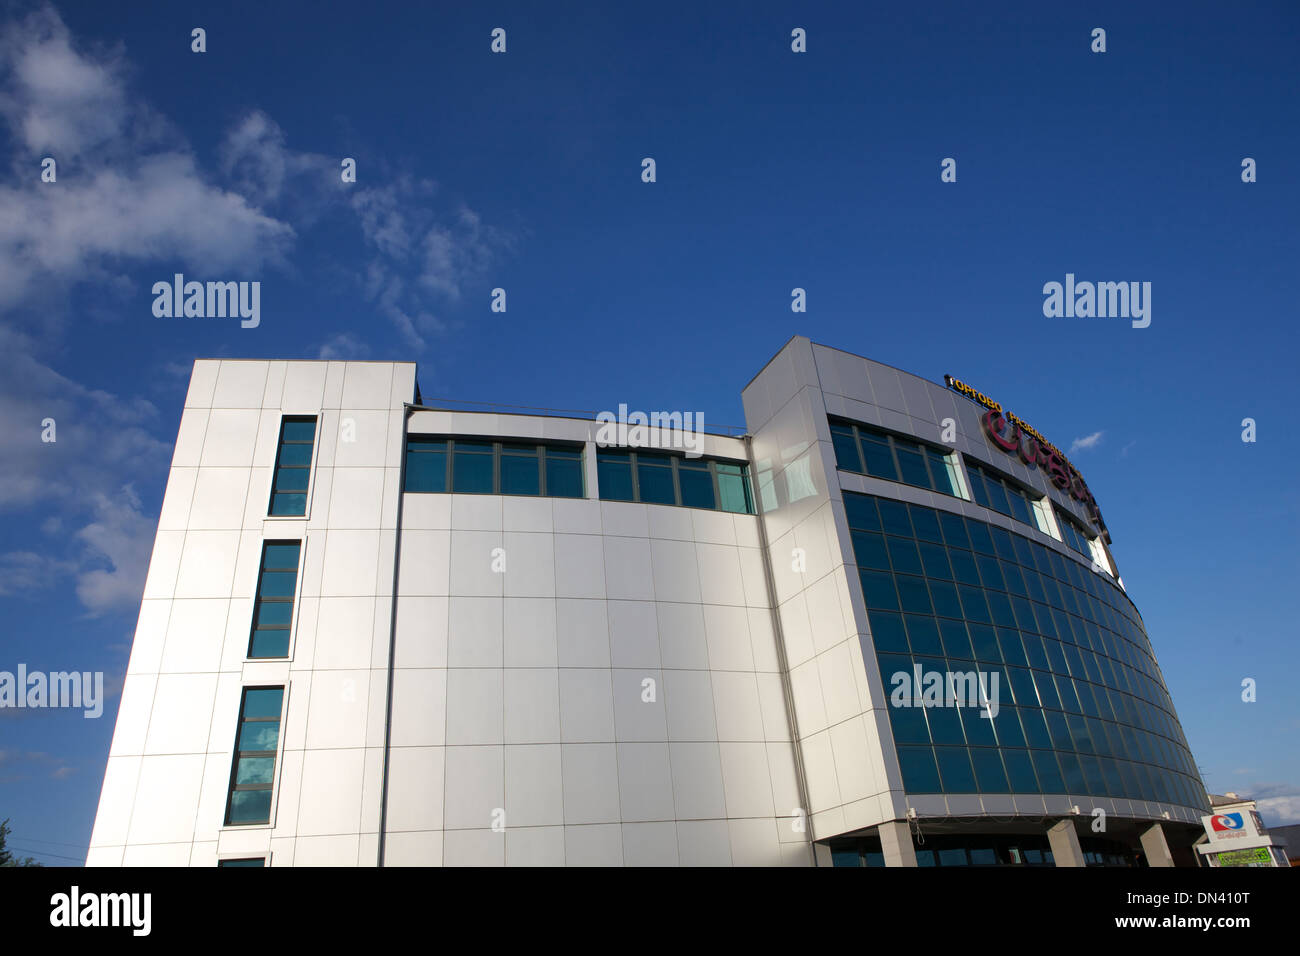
20 849
25 838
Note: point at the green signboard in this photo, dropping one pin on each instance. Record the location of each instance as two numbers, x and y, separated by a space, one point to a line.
1259 856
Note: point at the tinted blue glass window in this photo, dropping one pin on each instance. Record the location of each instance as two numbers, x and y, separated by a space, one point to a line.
956 641
990 490
879 459
481 466
974 605
563 473
920 772
990 571
1020 771
253 772
926 523
955 769
845 857
674 480
1049 773
908 723
904 555
955 534
989 773
696 482
521 471
292 467
997 495
1006 725
893 517
426 466
952 856
655 479
980 538
861 512
733 488
945 728
887 631
984 640
963 566
913 595
976 720
934 558
614 472
846 448
977 489
472 468
940 471
878 590
878 453
1078 687
912 468
273 609
923 635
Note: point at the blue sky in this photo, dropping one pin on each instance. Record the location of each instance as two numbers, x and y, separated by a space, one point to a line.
775 170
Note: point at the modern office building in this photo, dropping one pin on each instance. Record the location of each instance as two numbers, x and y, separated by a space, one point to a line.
882 627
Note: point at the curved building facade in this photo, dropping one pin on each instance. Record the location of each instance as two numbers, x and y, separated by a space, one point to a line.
883 627
963 659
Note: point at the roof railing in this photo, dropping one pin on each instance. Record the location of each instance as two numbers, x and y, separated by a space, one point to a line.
464 405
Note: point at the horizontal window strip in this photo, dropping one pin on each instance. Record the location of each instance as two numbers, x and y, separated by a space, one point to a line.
437 464
878 453
654 477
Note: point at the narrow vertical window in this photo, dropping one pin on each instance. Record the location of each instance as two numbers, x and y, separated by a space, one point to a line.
273 612
253 774
293 466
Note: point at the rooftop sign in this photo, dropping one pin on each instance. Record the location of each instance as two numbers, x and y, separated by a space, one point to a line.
1014 436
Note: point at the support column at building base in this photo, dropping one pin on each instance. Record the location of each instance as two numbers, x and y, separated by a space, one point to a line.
1156 847
896 842
1065 844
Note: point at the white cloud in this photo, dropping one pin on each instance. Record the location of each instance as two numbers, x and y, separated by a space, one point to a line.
59 102
24 572
1086 443
103 442
418 260
1279 811
131 195
255 157
121 537
129 190
1279 803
